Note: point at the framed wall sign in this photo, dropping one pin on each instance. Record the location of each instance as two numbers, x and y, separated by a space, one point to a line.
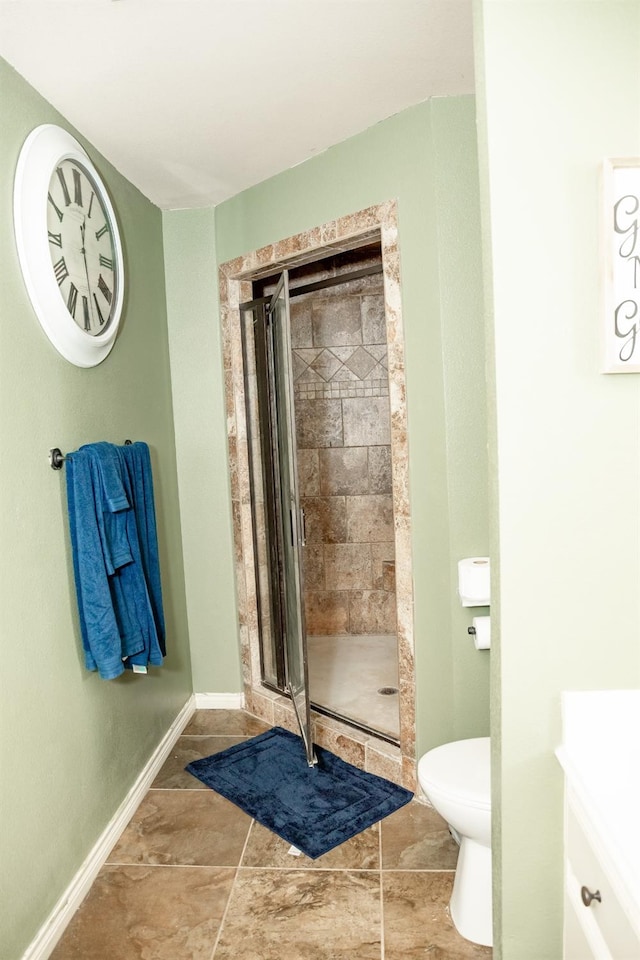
621 236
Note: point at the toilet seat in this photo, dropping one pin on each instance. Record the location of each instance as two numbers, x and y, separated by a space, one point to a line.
460 771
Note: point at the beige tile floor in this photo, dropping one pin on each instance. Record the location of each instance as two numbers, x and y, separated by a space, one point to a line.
194 878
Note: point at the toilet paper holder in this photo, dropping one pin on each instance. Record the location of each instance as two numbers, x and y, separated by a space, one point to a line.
480 630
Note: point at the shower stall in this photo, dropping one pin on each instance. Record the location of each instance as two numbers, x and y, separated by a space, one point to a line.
316 393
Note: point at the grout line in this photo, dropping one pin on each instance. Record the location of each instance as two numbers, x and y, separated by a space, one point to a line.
293 867
417 870
178 866
211 736
233 886
177 789
347 869
382 944
246 843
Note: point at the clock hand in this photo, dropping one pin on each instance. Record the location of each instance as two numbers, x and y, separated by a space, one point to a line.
89 308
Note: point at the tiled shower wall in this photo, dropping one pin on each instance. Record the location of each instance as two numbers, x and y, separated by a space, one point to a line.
341 389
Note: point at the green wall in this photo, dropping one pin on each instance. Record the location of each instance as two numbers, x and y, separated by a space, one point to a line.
558 91
464 389
201 447
71 744
426 158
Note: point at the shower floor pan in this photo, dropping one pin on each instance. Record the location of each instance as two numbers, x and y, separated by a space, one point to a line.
357 677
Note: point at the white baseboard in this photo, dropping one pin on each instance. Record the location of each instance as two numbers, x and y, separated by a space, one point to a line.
219 701
53 928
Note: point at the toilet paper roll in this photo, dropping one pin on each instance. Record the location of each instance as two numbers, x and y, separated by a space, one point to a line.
474 581
482 635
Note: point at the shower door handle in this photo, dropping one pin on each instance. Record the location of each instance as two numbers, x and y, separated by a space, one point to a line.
303 527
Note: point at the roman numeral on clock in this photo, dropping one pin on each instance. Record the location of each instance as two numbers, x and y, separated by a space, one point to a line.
57 209
72 300
106 262
60 270
101 232
77 187
100 317
63 184
106 292
86 314
55 239
91 203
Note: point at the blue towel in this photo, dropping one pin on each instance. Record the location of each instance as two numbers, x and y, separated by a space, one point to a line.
92 566
120 624
137 467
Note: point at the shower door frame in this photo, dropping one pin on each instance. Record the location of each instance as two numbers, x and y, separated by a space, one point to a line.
265 476
377 223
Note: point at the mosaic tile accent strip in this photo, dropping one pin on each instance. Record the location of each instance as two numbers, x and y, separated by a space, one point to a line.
341 389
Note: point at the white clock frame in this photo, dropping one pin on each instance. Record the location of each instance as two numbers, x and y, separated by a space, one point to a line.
45 147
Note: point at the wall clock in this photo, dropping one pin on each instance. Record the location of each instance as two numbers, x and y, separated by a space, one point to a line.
68 245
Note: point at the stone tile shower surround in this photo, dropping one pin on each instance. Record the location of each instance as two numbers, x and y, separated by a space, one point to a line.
377 223
343 425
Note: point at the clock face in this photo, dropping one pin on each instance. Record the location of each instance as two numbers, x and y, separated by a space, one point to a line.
69 245
81 247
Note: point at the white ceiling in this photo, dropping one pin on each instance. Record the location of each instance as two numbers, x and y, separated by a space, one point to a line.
195 100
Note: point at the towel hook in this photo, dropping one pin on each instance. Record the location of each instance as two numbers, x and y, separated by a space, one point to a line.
57 458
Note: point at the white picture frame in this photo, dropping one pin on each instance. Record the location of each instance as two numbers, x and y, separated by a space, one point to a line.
621 257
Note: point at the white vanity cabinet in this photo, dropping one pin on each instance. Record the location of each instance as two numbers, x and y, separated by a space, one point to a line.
602 825
597 923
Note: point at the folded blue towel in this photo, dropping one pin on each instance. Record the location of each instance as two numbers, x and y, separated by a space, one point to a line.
110 498
91 566
137 466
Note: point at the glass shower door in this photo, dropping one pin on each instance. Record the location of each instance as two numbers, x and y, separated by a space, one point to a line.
260 426
292 519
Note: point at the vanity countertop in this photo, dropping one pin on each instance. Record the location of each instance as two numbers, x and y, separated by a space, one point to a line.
600 755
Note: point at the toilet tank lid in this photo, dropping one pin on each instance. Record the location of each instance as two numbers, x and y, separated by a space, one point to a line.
460 769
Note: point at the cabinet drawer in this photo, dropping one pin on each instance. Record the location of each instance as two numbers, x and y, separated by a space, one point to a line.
612 921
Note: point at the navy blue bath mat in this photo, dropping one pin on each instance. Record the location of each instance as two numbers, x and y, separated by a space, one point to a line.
313 808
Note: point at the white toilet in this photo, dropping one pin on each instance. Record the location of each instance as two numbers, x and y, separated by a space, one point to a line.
456 778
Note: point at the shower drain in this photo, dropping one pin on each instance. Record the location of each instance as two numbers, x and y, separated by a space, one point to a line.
387 691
